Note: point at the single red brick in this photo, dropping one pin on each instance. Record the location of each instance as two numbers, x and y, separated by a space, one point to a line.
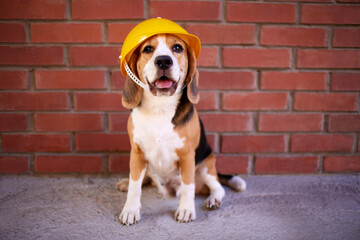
261 12
255 101
100 142
330 14
13 165
223 34
345 82
286 165
107 9
186 10
293 80
208 101
119 163
230 122
13 122
226 164
328 58
33 101
94 56
32 9
321 143
98 102
326 101
272 122
12 32
251 57
342 164
54 122
26 55
346 37
67 164
117 80
208 57
117 32
118 121
227 80
36 142
70 79
13 80
293 36
66 32
252 144
344 123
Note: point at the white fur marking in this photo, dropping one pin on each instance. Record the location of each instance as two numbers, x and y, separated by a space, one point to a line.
131 211
237 183
155 135
186 210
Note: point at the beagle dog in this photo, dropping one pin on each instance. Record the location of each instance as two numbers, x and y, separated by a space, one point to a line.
168 142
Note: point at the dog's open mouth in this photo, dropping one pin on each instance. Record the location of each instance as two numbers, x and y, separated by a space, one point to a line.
164 83
163 86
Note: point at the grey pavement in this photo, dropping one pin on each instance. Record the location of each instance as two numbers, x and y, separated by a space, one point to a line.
273 207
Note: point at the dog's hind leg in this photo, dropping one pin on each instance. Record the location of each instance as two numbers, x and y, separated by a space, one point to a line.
208 176
123 184
217 192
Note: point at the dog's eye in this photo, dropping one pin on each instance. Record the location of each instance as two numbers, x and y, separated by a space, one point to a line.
177 48
148 49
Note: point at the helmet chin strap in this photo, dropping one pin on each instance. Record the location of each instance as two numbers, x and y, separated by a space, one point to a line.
132 76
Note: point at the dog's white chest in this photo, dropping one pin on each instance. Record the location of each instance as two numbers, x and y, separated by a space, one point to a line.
155 135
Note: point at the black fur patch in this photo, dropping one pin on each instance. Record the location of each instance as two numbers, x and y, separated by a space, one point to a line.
204 149
225 176
193 88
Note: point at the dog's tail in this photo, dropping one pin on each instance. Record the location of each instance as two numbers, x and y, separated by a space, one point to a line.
234 182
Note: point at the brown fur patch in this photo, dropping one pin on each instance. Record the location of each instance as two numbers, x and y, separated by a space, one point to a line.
191 132
182 58
192 78
145 57
132 93
210 164
137 157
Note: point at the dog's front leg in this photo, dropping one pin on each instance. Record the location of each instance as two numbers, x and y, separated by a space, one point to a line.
131 211
186 209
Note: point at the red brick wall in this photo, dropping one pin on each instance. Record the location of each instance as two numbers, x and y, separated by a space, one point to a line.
279 83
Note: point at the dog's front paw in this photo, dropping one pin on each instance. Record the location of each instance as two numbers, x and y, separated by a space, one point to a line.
129 217
185 215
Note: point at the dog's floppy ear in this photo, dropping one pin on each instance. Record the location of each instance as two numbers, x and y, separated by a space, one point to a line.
132 93
192 78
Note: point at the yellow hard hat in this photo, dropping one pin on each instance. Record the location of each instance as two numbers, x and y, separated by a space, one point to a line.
149 28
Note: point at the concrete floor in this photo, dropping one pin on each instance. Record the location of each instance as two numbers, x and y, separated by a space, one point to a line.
272 207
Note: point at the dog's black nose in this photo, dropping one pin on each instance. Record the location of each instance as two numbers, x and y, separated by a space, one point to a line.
163 62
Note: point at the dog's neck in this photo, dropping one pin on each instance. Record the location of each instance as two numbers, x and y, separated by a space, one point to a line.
177 108
159 105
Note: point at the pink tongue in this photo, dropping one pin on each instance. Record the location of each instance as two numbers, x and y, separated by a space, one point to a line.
163 83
